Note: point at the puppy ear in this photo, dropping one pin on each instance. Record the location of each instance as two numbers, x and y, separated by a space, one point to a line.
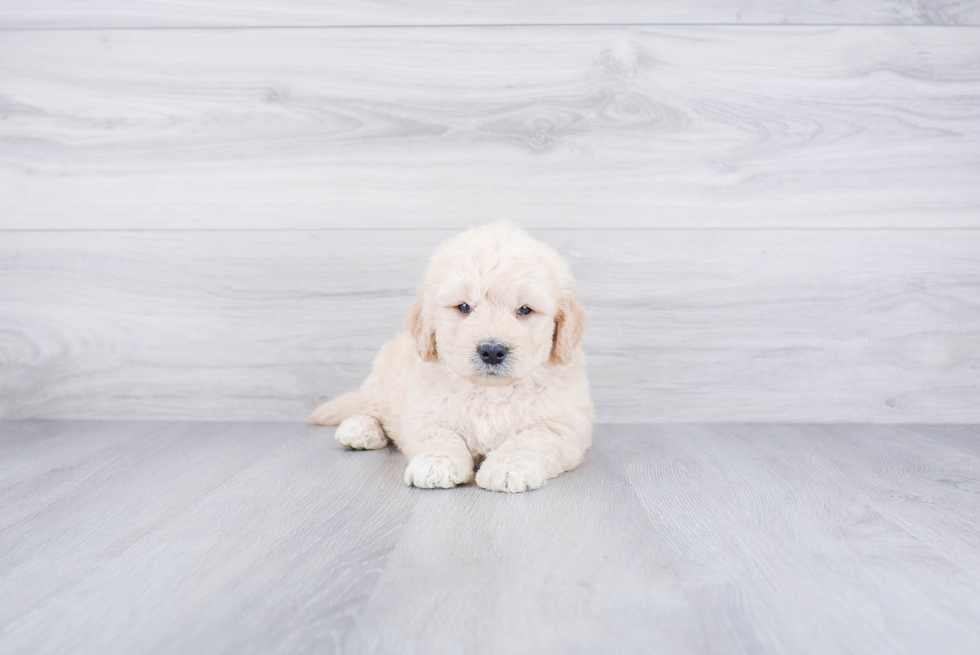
425 336
570 323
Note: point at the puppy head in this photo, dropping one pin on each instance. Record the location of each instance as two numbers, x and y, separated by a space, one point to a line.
495 304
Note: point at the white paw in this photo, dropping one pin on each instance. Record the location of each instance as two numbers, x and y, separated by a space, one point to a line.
361 433
428 472
510 473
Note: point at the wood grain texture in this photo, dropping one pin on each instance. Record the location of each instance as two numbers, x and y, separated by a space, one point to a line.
679 540
686 325
573 572
844 507
275 523
963 437
211 13
552 127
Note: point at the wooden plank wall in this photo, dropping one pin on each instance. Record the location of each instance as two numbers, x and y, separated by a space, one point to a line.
347 13
773 209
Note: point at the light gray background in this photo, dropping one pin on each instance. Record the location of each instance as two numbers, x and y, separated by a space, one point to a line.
221 211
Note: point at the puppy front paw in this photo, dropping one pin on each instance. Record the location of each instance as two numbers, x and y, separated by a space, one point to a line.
510 473
361 432
430 472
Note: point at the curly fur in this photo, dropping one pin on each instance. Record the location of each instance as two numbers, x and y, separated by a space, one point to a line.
521 422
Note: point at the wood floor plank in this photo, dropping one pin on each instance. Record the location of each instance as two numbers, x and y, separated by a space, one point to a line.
753 127
572 568
963 437
228 537
679 539
685 325
24 432
750 511
266 13
53 455
931 490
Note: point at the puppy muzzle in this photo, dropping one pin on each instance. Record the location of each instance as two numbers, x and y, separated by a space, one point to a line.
492 353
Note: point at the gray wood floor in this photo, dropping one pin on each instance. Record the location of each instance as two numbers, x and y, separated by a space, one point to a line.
238 537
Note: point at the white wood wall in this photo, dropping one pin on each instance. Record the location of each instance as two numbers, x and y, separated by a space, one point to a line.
773 209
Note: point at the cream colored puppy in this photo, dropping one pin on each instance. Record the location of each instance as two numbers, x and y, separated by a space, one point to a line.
490 370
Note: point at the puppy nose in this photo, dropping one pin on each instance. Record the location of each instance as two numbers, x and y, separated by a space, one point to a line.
492 352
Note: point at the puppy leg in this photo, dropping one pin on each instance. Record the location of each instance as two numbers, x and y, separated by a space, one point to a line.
361 432
529 459
439 458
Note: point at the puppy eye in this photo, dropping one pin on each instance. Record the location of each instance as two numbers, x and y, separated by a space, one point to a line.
464 308
524 310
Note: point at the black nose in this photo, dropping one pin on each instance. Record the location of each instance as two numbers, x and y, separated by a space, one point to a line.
492 352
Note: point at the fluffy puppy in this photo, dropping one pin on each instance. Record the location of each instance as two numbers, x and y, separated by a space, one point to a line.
489 371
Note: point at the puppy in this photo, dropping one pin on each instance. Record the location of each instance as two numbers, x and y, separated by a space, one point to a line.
489 371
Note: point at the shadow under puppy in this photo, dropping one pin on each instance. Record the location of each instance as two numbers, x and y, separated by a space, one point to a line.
490 370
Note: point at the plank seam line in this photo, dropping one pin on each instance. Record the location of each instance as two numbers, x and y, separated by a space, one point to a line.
93 28
465 227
